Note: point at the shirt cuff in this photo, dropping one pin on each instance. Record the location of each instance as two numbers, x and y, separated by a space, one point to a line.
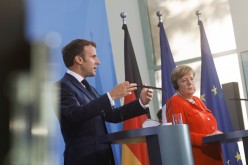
111 100
144 106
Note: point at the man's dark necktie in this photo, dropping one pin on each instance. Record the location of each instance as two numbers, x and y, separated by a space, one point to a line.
88 87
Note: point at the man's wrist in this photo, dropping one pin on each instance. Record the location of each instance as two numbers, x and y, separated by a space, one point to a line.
111 100
144 106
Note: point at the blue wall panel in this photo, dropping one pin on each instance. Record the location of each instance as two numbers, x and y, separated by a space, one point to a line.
56 23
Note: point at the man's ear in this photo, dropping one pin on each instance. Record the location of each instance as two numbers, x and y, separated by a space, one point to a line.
78 59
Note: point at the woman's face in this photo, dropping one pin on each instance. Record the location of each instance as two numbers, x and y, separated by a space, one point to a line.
186 85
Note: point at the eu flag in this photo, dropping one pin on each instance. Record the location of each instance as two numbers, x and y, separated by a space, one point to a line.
167 64
213 97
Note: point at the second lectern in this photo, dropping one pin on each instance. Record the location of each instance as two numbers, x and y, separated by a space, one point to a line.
167 145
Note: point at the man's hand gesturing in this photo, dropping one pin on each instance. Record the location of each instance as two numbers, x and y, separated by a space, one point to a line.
122 90
146 95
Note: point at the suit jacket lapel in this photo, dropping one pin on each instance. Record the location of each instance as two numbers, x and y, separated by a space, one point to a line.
79 85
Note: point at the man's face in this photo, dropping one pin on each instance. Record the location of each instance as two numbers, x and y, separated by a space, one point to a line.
90 62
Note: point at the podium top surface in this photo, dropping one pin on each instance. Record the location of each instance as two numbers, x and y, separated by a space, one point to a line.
136 135
234 136
123 137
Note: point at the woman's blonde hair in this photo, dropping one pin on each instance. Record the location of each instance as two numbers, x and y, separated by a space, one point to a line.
179 72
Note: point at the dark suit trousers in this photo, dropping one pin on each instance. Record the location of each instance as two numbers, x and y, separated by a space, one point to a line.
103 157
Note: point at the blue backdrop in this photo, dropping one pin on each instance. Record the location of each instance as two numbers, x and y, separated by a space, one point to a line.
56 23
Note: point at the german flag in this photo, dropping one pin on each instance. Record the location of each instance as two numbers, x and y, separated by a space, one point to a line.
132 154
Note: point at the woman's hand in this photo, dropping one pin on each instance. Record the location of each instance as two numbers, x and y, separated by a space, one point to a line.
215 133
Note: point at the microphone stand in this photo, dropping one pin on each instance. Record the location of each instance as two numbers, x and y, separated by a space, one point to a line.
163 93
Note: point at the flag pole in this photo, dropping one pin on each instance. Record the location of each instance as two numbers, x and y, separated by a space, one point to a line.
216 103
164 120
198 13
159 14
167 65
123 16
138 152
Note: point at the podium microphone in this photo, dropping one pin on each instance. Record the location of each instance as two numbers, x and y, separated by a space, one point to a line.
163 92
145 86
239 99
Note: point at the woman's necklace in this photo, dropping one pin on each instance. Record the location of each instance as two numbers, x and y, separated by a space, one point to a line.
191 100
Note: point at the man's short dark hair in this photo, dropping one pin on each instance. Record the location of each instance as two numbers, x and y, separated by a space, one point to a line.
74 48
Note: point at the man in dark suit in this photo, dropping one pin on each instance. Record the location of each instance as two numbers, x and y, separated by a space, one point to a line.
83 111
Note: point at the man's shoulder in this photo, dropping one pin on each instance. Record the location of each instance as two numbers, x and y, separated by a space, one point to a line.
65 79
62 81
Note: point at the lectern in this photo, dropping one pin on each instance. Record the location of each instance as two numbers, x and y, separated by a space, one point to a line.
230 137
167 144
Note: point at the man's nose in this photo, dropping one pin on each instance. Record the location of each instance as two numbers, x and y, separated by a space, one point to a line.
98 61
